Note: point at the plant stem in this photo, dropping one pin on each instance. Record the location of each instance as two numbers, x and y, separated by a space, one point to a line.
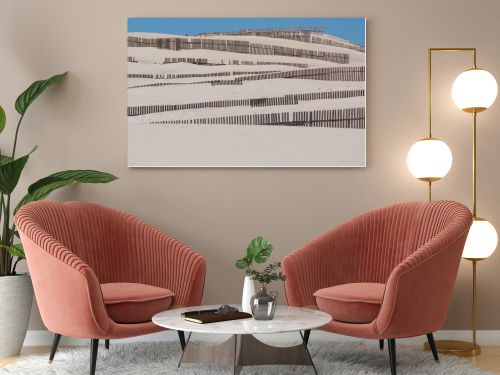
13 271
3 252
3 255
6 236
15 137
12 234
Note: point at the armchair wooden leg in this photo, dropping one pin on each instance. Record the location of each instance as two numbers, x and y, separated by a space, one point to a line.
381 344
182 339
106 344
55 344
392 355
307 333
432 344
94 346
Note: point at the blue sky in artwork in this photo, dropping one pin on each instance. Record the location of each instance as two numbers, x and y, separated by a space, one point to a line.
352 29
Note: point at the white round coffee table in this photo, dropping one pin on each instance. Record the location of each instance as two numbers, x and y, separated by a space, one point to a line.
242 348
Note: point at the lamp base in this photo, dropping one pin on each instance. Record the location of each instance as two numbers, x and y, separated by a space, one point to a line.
456 348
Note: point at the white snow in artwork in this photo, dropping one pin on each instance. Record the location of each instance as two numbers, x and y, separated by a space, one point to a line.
246 98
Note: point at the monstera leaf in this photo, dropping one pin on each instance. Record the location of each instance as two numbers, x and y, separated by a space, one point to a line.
258 250
29 95
242 263
43 187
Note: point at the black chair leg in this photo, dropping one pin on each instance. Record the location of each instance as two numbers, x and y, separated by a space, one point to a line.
381 344
432 344
392 355
182 339
307 333
106 344
55 344
94 345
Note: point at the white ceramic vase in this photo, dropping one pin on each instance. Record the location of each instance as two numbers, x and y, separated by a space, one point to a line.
248 292
16 298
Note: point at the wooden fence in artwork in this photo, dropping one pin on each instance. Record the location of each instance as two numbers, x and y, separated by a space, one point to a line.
225 82
265 49
337 73
299 34
336 43
350 118
297 65
202 61
237 46
307 35
190 60
196 75
290 99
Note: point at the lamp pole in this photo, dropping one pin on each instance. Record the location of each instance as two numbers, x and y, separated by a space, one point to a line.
474 215
454 347
429 96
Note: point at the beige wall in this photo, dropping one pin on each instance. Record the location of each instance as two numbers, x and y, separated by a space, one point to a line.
82 124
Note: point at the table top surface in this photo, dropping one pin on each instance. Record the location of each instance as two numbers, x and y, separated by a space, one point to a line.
286 319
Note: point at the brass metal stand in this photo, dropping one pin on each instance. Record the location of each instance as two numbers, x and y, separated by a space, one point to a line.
455 347
430 180
463 348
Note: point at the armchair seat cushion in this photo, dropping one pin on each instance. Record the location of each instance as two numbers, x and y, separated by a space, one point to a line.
351 303
135 303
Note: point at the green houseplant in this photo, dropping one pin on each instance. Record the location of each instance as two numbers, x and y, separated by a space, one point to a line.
259 250
16 291
269 274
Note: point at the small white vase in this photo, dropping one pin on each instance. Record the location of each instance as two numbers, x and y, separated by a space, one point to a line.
248 292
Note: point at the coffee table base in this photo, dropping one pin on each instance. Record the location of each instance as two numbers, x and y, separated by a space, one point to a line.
246 350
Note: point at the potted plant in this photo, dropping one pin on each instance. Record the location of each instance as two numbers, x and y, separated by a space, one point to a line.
258 250
16 291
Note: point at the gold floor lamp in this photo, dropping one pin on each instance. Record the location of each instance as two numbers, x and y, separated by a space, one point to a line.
430 159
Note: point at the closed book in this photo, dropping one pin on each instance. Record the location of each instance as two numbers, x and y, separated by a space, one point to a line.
210 317
196 313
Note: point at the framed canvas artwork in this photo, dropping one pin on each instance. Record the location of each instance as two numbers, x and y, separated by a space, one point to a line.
246 92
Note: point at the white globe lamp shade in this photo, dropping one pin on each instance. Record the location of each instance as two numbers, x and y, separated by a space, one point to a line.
429 159
474 90
481 241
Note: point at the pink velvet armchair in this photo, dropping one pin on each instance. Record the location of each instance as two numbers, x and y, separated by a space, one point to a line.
385 274
99 273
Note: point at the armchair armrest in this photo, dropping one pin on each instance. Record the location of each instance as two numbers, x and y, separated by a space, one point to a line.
321 263
68 292
419 289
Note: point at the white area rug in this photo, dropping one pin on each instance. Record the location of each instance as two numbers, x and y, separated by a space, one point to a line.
162 358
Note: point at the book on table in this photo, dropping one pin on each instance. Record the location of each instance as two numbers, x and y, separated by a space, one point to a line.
213 316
